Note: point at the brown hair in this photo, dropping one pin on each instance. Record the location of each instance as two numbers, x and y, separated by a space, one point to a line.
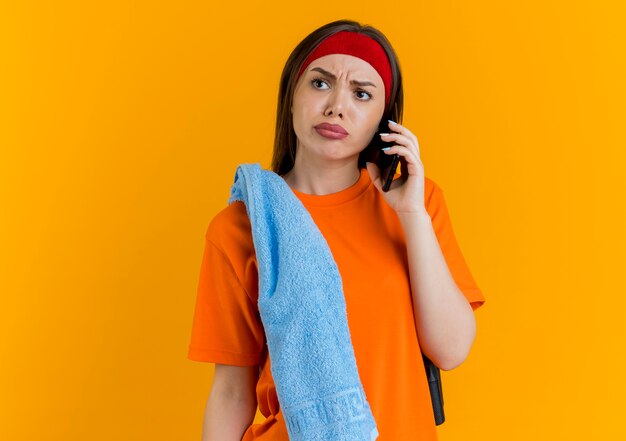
285 140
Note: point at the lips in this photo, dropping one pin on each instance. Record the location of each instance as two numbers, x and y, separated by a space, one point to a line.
331 131
332 128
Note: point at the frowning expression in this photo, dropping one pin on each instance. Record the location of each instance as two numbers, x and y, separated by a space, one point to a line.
338 103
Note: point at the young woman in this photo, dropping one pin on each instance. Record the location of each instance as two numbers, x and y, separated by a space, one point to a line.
407 287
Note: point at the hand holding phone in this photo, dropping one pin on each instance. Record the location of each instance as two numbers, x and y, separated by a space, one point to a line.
387 163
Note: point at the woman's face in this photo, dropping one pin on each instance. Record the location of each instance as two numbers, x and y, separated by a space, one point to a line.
337 89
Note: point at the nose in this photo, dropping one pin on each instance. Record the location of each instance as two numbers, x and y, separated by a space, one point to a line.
335 105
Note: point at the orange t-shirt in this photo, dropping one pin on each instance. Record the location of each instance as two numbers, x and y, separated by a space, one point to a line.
367 241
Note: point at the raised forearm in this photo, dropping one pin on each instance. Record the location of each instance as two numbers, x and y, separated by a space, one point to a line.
445 321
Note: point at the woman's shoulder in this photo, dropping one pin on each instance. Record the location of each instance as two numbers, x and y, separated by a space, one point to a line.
230 227
430 188
230 233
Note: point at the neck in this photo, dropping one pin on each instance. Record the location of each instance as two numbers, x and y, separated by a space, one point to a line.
321 179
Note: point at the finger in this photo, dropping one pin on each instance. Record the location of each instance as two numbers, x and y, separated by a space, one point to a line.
410 164
404 152
394 126
399 128
400 140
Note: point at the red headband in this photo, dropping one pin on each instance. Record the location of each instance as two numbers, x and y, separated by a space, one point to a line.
357 45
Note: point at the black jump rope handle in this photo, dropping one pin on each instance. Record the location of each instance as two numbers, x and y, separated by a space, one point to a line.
436 393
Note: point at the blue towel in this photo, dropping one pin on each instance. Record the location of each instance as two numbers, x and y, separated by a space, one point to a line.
303 310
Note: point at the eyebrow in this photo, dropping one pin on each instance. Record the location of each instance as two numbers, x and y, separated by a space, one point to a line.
331 75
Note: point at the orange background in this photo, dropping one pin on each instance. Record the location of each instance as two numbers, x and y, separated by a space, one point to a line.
121 126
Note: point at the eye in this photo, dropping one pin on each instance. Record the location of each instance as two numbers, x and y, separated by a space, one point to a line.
318 80
366 93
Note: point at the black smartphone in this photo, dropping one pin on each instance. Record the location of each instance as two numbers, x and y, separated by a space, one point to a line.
436 392
387 163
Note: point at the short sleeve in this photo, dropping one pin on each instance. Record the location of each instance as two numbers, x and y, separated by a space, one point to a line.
442 225
226 326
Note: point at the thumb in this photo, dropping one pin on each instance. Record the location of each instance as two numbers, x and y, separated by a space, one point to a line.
374 172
